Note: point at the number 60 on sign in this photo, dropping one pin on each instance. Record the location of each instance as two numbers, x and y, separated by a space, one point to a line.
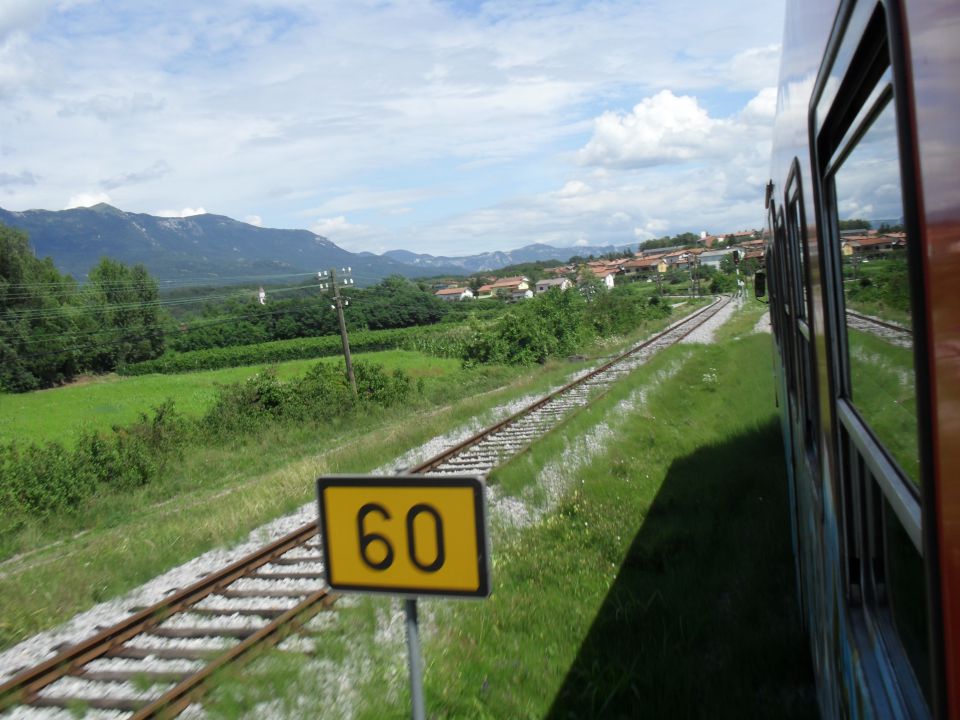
404 535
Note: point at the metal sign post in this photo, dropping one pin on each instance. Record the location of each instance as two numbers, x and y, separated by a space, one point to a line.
405 535
416 659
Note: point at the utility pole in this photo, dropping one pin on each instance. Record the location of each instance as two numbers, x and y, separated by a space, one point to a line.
338 304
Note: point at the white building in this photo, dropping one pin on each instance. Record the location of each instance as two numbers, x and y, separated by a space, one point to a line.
454 294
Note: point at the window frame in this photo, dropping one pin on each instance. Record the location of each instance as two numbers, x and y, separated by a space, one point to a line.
865 44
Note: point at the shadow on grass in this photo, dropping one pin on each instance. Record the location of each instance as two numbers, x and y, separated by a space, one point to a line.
701 620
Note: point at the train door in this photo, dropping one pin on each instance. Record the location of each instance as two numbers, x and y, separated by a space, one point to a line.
871 246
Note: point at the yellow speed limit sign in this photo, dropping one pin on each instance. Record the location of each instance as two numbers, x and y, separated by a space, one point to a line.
404 534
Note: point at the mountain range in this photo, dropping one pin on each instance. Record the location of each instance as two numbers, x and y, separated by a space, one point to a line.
220 249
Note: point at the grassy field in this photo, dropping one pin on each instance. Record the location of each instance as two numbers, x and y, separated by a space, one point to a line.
52 568
651 575
97 403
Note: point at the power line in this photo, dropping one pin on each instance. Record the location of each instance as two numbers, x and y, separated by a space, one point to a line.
192 325
46 313
173 284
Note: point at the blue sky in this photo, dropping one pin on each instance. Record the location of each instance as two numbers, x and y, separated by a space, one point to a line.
442 127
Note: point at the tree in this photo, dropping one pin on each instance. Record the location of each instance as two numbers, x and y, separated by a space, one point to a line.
124 305
854 224
37 328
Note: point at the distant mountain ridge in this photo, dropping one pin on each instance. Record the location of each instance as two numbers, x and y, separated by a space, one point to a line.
213 247
490 261
220 249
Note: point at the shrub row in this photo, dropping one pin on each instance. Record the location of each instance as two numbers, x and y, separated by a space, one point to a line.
557 323
42 479
299 349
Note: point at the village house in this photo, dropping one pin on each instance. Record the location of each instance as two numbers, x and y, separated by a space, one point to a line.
454 294
605 275
680 259
712 258
484 292
506 287
562 283
646 266
871 244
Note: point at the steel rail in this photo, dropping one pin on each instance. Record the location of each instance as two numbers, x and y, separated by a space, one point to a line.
175 700
881 323
441 457
23 687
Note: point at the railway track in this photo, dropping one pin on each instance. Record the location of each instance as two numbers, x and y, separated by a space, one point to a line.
892 333
160 659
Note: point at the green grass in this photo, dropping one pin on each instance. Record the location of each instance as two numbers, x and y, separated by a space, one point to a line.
100 402
660 584
213 496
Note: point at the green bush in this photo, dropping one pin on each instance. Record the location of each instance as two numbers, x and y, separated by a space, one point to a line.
557 323
39 480
884 282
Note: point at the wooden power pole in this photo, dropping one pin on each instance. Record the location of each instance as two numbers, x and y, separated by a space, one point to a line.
338 305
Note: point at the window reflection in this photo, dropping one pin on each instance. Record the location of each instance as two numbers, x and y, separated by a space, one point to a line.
876 290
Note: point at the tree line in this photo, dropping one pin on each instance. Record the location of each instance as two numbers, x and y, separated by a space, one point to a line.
52 329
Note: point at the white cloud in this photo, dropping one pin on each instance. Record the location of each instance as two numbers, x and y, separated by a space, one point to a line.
185 212
572 188
109 108
254 220
87 200
661 129
653 228
16 15
667 130
763 107
156 171
341 231
371 199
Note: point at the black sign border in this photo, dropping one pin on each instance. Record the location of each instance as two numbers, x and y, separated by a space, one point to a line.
475 482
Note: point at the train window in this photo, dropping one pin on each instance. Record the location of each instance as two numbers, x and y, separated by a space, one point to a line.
876 290
798 253
872 284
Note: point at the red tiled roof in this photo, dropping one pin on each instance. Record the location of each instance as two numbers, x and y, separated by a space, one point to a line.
868 241
509 282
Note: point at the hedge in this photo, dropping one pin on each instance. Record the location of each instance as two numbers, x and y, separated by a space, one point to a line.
436 340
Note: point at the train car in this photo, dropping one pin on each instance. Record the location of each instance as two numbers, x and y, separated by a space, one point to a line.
863 268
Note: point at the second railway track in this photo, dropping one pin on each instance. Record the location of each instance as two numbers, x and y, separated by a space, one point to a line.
160 659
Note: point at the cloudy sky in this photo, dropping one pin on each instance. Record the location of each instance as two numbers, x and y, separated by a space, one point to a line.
442 127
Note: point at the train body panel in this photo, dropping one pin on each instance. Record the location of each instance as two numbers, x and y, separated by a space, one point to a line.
863 265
